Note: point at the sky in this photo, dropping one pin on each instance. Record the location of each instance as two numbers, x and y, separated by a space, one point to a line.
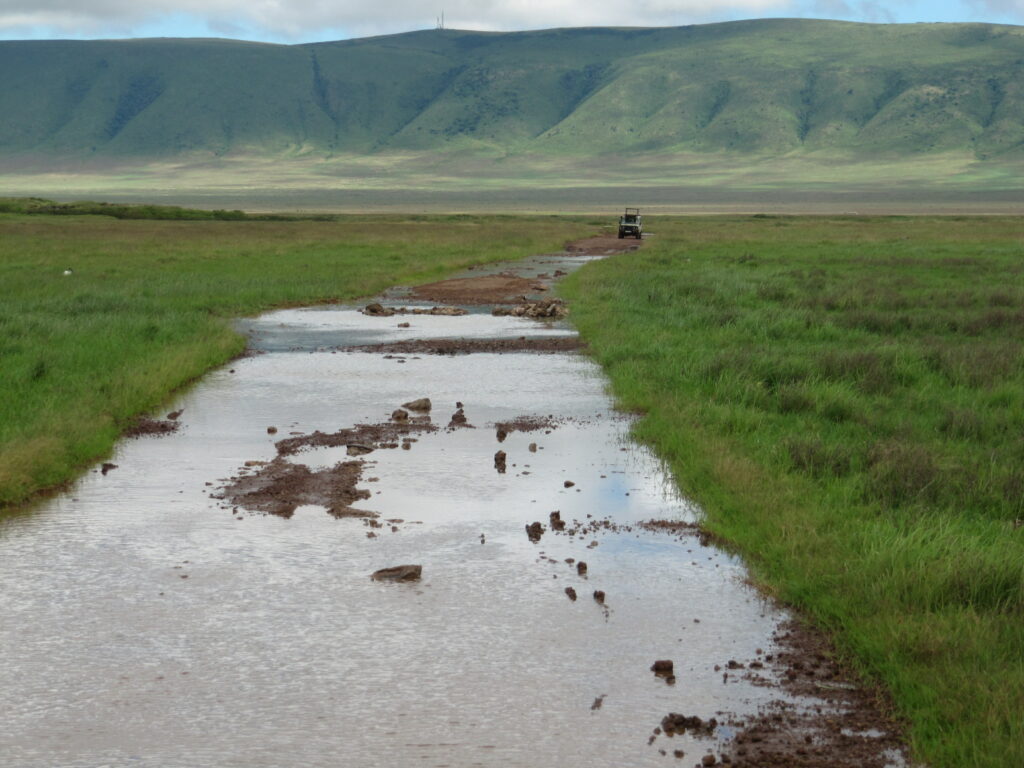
300 21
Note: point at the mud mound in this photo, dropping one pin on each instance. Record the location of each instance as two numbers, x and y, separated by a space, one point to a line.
529 424
385 435
145 426
472 346
487 289
540 310
279 486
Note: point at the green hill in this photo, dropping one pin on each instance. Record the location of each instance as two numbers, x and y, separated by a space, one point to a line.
765 89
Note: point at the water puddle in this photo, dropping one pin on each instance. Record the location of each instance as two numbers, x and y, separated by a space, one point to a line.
149 623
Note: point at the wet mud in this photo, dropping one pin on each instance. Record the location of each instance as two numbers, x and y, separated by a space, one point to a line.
279 487
473 346
310 646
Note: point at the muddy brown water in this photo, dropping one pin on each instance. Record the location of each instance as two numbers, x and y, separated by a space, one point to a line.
145 624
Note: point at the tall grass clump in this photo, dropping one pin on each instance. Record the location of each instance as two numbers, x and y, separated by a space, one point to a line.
854 428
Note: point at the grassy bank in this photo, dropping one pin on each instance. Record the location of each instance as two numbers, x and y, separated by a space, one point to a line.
147 308
845 398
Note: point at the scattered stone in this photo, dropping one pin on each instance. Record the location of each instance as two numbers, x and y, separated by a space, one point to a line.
403 325
599 596
676 723
662 667
571 593
499 461
569 483
377 310
679 754
271 430
106 467
534 531
557 524
422 404
458 419
358 449
708 760
399 573
581 568
399 415
598 702
173 415
501 434
533 447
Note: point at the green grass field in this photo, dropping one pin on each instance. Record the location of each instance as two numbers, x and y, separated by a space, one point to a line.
149 305
845 399
843 396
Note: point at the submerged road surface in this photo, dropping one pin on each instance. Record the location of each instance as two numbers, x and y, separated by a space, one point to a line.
146 621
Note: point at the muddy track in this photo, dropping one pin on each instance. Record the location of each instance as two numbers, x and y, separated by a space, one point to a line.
462 560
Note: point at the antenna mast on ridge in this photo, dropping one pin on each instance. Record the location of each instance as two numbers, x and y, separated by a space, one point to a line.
440 21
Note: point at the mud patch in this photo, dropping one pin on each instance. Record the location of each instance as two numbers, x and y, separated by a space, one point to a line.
841 725
279 486
472 346
529 424
599 246
144 427
487 289
386 435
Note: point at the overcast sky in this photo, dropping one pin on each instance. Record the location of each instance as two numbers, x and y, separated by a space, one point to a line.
289 21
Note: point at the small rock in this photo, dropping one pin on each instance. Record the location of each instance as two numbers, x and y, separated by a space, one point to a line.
679 754
535 531
501 434
571 593
107 466
399 415
568 483
533 447
271 430
662 667
399 573
422 404
358 449
173 415
599 596
403 325
581 568
377 310
708 760
499 461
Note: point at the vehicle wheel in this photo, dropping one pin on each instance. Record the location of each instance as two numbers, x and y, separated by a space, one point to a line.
621 235
639 235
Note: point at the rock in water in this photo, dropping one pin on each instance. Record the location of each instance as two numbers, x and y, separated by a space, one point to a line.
499 461
571 593
399 573
535 531
377 310
399 415
662 667
422 404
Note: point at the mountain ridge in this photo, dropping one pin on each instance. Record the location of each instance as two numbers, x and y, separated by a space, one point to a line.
767 87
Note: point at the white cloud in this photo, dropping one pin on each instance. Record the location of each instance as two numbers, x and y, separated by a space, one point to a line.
299 19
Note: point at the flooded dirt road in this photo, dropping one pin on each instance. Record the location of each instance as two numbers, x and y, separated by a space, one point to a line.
184 605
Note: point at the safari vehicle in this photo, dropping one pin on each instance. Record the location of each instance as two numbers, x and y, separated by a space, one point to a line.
631 224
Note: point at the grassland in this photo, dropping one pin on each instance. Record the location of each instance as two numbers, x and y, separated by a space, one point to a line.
845 399
148 307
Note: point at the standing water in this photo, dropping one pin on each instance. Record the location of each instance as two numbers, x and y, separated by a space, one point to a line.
152 619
